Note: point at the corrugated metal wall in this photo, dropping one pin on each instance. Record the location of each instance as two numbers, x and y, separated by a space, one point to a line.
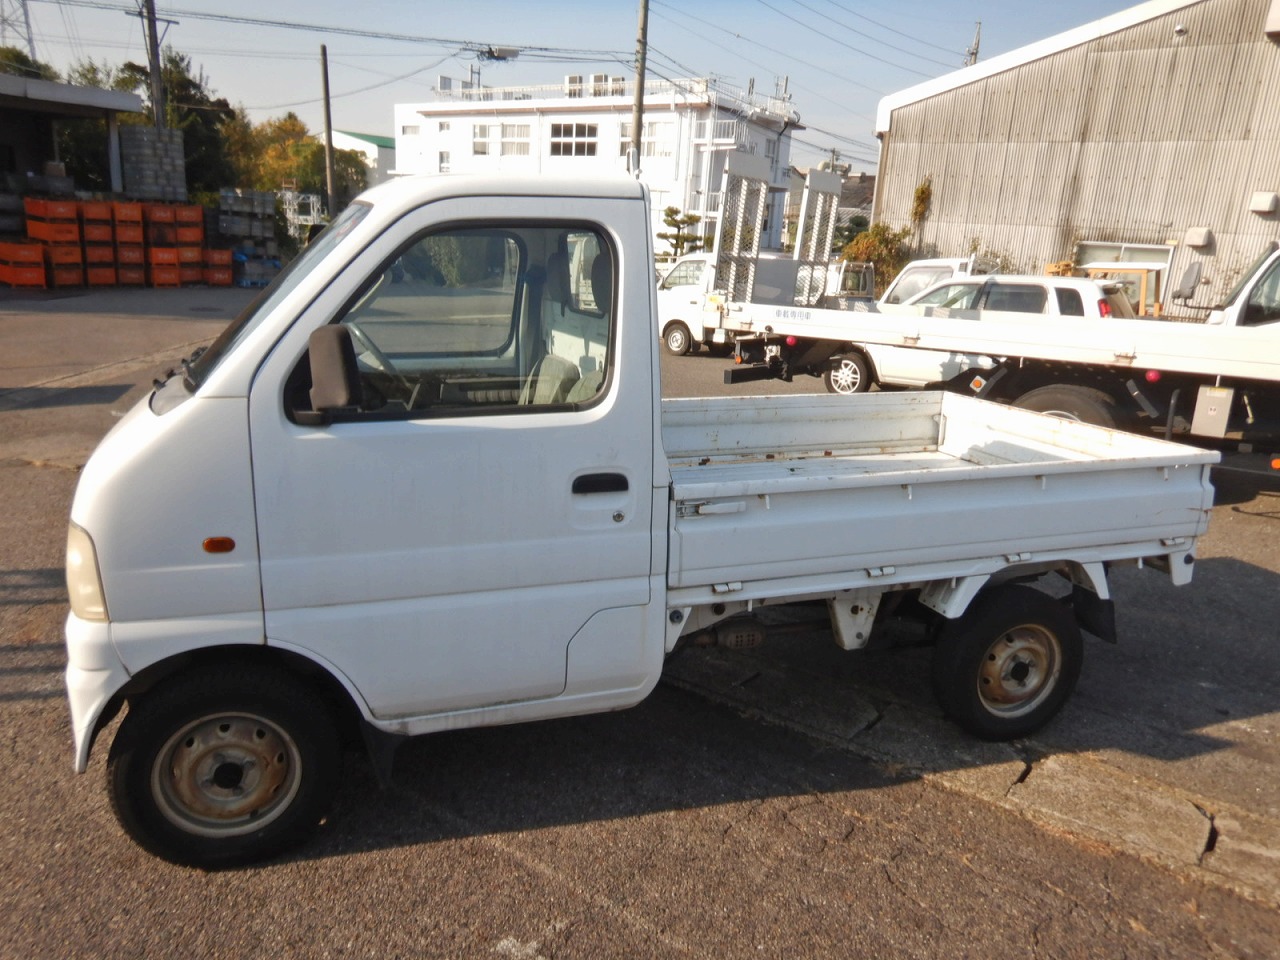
1135 137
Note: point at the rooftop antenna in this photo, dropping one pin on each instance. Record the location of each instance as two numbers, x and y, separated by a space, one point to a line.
971 55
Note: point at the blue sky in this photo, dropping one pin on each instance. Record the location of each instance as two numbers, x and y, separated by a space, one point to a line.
839 56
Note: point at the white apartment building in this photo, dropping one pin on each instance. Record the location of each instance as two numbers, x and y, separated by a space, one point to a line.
582 127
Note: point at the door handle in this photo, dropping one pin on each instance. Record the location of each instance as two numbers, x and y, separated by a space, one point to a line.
600 483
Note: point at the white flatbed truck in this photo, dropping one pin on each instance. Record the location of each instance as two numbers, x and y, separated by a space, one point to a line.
386 502
1219 378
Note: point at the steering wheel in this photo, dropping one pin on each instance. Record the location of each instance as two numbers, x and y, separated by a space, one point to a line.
379 359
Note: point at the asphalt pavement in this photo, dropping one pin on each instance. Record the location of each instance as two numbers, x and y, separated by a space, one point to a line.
789 801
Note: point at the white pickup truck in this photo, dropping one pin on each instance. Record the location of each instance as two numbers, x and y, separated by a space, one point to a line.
427 482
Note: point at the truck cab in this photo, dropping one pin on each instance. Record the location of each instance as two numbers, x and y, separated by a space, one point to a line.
1255 301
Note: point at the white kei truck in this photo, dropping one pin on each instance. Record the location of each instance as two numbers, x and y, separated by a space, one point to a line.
427 481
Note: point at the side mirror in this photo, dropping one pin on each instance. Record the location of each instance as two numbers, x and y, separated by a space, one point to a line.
335 378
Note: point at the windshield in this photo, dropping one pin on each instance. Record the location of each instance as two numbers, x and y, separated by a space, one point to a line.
1249 274
198 370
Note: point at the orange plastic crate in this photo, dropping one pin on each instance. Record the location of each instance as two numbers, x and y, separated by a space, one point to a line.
49 209
131 256
21 275
66 276
64 254
217 276
162 256
126 212
100 276
94 232
23 253
190 255
217 258
131 276
164 276
95 210
99 253
157 213
191 274
162 235
189 213
190 234
128 232
53 231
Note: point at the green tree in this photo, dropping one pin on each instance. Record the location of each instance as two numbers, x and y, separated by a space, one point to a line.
14 61
682 239
845 232
82 144
883 246
287 153
192 107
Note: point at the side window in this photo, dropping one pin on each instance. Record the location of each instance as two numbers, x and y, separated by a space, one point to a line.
482 319
1016 297
914 280
1264 299
1070 304
684 274
959 296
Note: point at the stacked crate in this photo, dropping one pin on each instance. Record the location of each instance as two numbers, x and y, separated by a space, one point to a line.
22 264
126 219
190 230
162 245
217 268
99 243
56 224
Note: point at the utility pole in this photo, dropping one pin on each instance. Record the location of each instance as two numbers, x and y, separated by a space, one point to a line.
637 106
153 57
971 55
330 199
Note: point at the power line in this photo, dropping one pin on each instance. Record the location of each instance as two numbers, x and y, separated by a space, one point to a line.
882 26
862 53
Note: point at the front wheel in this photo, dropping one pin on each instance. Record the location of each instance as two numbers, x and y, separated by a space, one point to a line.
1007 666
677 339
224 766
848 374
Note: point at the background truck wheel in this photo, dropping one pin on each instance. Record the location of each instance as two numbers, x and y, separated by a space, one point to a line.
224 766
1007 666
848 373
677 339
1084 404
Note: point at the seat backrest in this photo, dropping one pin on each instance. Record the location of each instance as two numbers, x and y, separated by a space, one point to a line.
551 381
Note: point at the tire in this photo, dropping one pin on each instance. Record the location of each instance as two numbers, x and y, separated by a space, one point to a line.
677 339
224 766
1006 667
848 373
1070 402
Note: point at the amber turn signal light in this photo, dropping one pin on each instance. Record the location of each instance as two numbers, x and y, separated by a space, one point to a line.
219 545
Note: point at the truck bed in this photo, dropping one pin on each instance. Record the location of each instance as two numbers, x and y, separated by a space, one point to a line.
1143 344
782 496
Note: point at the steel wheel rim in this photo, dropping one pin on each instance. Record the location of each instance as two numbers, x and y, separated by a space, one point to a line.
226 775
1020 670
845 377
676 340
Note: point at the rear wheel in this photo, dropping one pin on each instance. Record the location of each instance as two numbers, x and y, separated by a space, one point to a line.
677 339
1071 402
224 766
848 373
1006 667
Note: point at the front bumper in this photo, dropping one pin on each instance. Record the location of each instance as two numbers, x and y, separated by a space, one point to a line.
94 675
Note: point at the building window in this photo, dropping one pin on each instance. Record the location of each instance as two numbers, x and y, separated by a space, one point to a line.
410 130
444 126
515 139
573 139
655 142
443 165
480 134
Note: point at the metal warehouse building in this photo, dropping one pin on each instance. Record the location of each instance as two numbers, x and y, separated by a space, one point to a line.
1148 141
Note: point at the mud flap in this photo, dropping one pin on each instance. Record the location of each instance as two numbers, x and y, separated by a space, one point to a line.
1094 614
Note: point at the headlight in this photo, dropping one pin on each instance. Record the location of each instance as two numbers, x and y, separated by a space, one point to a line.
84 585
